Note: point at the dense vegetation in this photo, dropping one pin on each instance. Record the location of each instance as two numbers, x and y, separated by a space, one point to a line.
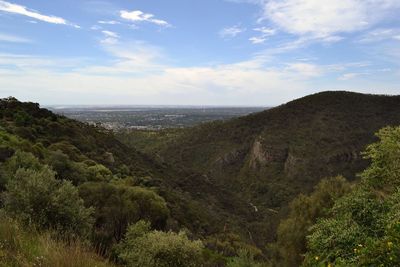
66 183
248 192
363 227
268 158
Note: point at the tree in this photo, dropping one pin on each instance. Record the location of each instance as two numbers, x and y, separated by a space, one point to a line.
363 228
384 171
304 212
119 205
145 248
20 160
22 118
35 196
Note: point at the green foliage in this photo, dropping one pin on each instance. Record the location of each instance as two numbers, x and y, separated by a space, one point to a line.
269 158
21 118
385 160
144 248
99 173
215 177
60 163
118 205
21 160
244 259
364 226
304 212
229 244
35 196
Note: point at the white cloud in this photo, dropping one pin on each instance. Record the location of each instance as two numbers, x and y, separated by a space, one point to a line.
138 76
257 40
332 39
111 38
380 35
22 10
96 27
322 18
139 73
231 32
265 31
346 66
109 41
385 70
139 16
349 76
110 34
13 39
109 22
306 69
25 62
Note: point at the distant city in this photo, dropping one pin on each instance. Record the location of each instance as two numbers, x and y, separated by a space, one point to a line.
151 117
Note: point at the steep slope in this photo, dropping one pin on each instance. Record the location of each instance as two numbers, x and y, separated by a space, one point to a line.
269 157
76 147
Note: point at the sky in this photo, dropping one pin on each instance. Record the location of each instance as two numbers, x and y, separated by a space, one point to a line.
187 52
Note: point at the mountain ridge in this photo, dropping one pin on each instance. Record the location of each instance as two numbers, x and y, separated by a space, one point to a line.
236 176
271 156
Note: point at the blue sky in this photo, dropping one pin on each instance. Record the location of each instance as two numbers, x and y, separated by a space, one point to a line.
209 52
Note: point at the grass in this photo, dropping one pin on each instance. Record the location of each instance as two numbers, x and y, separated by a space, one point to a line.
23 247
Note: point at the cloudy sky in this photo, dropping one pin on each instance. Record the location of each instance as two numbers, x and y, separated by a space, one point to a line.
208 52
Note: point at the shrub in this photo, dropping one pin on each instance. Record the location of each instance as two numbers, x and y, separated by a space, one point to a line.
304 212
119 205
244 259
364 227
37 197
144 248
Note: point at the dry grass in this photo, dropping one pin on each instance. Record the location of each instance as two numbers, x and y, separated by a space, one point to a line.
20 247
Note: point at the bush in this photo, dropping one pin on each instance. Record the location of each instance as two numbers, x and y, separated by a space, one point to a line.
37 197
304 212
119 205
21 160
244 259
144 248
364 226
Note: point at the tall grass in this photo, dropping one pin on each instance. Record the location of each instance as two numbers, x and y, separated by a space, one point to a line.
28 247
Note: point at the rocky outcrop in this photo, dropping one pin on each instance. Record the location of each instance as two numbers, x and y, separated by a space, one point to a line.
291 163
261 155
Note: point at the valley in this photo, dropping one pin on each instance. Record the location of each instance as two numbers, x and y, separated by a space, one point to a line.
230 183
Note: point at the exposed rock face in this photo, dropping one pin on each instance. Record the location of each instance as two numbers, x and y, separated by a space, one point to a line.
291 163
261 155
258 156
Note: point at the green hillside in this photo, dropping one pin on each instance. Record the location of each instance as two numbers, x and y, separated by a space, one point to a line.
270 157
216 193
46 157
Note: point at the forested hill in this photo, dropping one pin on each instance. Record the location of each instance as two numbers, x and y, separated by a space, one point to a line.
228 184
121 184
270 157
